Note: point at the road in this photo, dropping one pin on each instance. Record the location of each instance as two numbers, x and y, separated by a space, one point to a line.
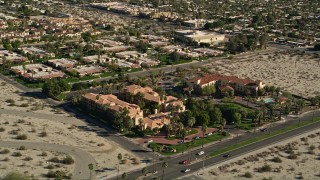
174 170
82 158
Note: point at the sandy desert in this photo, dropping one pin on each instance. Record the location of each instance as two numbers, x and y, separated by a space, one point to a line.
295 72
37 122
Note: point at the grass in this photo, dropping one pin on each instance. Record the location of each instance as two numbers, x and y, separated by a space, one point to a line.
192 131
197 143
263 137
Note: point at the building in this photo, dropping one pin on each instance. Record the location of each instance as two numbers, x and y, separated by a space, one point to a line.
156 121
86 70
37 72
189 36
39 53
238 84
62 63
11 56
113 103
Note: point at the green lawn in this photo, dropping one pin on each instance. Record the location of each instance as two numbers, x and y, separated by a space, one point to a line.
198 143
33 85
263 137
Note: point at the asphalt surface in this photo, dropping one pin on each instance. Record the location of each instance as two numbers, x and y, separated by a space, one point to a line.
174 169
82 158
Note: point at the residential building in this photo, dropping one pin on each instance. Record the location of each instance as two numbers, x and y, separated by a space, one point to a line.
156 121
37 72
86 70
39 53
62 63
11 56
113 103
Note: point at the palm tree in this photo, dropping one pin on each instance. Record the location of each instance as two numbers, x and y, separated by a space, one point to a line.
164 165
141 124
119 158
181 127
144 171
204 130
191 122
90 168
223 123
184 134
154 149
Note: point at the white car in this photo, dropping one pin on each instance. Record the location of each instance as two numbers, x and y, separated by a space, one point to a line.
200 153
187 170
209 134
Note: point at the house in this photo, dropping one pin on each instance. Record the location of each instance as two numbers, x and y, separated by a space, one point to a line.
37 72
62 63
173 104
148 93
238 84
114 104
39 53
11 56
156 121
86 70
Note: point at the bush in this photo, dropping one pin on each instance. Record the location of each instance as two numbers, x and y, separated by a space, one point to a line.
14 132
2 129
247 175
292 156
24 105
6 159
50 166
68 160
22 137
21 121
43 134
5 151
28 158
16 176
43 154
276 160
17 154
55 160
22 148
265 168
56 174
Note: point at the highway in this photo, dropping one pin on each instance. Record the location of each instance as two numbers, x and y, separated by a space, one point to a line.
174 169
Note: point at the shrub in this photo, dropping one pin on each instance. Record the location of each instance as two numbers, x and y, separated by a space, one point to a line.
55 160
312 147
22 148
247 175
265 168
276 160
50 166
43 134
28 158
22 137
5 151
14 132
56 174
43 154
6 159
311 152
224 133
292 156
68 160
2 129
20 121
24 105
14 176
17 154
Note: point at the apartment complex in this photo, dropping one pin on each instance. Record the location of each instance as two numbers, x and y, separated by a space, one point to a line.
188 36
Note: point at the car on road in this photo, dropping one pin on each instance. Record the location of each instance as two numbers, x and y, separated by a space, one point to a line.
187 170
200 153
184 162
227 155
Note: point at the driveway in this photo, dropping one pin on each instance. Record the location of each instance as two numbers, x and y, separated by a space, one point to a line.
82 158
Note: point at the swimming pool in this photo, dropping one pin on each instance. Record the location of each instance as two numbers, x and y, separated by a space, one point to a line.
268 100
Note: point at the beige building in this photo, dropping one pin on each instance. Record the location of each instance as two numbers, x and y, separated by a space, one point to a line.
188 36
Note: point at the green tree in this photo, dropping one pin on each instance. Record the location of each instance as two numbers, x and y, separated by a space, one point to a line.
204 130
215 116
236 118
191 122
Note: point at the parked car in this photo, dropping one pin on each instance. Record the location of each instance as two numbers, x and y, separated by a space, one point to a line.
200 153
184 162
209 134
196 137
187 170
180 142
227 155
149 141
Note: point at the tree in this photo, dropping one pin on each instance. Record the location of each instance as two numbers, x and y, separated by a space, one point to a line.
144 171
53 87
215 116
317 47
272 89
204 130
90 166
236 118
183 134
208 90
278 90
119 159
203 118
191 122
164 165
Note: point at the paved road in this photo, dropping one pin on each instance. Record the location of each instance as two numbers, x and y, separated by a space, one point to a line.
174 170
82 158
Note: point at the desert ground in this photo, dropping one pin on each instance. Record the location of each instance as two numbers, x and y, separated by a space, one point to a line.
295 72
295 158
38 122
